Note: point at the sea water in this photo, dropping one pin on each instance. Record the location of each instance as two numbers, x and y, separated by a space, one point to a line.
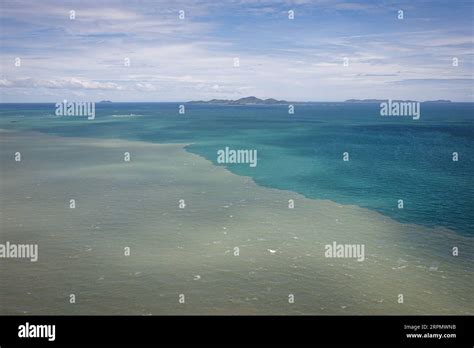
390 159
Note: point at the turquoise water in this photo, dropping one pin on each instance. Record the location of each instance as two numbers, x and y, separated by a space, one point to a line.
390 158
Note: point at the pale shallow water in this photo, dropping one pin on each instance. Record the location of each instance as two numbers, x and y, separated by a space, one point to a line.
190 251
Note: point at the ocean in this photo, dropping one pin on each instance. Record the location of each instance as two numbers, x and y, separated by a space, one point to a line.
390 158
172 231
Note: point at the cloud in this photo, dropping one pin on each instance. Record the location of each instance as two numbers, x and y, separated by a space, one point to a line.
173 59
438 82
70 83
146 87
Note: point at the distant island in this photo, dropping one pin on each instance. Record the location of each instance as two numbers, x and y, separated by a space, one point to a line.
384 100
242 101
271 101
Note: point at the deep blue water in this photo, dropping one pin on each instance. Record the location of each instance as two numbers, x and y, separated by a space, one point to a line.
391 158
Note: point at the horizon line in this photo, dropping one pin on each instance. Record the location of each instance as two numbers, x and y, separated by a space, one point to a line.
353 100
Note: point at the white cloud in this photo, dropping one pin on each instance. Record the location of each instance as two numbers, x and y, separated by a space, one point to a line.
61 83
193 59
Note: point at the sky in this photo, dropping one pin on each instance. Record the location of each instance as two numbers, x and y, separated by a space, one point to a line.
332 50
